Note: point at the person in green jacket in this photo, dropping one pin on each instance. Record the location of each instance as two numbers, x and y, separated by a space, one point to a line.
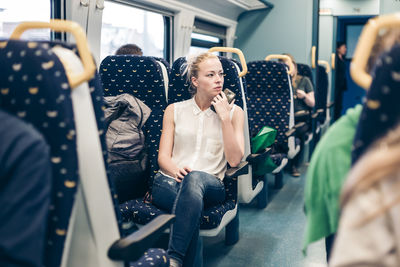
326 173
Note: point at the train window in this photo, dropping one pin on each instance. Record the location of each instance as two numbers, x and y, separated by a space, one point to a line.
14 12
123 24
206 35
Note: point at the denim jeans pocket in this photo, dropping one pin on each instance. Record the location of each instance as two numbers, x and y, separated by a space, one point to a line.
165 190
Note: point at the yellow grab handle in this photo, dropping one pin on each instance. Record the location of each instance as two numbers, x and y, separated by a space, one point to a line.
313 52
333 56
81 42
365 44
283 57
232 50
326 64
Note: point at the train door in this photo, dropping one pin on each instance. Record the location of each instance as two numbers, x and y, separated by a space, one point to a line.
348 31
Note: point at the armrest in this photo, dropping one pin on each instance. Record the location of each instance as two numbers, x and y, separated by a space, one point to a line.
255 158
299 125
317 112
301 113
290 132
132 247
330 104
242 168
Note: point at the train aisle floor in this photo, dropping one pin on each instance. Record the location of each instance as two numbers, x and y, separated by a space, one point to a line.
269 237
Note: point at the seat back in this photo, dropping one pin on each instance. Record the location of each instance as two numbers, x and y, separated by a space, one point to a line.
35 88
143 78
381 111
305 70
270 100
321 94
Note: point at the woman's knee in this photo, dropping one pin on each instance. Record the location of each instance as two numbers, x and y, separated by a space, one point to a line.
193 181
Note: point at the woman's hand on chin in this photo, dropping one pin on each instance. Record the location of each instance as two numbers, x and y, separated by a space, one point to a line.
222 107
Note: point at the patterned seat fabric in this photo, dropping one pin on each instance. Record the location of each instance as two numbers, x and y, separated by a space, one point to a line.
152 257
140 212
381 111
305 70
269 99
35 88
142 78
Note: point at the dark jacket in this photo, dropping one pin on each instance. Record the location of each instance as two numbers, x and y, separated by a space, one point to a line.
25 193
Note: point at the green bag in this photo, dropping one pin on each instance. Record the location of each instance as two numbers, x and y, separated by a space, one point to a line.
263 139
264 167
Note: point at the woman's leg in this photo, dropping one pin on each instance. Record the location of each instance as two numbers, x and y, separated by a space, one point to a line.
196 188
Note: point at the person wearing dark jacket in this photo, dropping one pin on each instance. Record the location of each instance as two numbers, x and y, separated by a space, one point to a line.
25 193
340 79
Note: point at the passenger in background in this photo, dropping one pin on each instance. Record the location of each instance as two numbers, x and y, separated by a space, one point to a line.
340 79
196 145
369 231
304 100
129 49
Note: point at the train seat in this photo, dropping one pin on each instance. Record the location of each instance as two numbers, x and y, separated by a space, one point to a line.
37 90
248 187
138 210
321 99
271 104
305 70
29 93
380 111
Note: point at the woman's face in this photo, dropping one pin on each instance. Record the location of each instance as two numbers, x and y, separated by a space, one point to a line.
210 77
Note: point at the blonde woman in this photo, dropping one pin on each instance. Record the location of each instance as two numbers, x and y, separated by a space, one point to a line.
196 145
369 229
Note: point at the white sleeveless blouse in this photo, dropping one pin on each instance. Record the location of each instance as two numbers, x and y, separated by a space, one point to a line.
198 142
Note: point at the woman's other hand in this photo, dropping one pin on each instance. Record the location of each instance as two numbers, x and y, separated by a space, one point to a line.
300 94
181 173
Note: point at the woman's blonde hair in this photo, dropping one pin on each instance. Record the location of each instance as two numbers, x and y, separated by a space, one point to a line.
191 69
380 162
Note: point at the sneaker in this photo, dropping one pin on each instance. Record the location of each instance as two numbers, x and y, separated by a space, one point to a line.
295 172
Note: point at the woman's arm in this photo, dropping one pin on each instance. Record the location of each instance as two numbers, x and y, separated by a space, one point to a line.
166 144
306 93
232 130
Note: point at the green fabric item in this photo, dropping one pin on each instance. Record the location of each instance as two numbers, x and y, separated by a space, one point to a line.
326 173
263 139
266 166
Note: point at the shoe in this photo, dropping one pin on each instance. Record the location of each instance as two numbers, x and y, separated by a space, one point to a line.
295 172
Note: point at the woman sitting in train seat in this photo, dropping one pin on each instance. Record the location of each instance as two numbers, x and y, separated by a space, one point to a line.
196 145
304 100
369 229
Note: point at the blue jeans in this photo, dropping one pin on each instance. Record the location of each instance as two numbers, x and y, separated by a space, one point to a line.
196 191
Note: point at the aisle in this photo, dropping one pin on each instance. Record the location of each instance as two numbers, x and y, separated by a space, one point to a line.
269 237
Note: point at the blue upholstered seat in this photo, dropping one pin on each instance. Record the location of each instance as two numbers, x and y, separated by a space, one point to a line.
34 89
34 86
137 210
381 111
270 103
